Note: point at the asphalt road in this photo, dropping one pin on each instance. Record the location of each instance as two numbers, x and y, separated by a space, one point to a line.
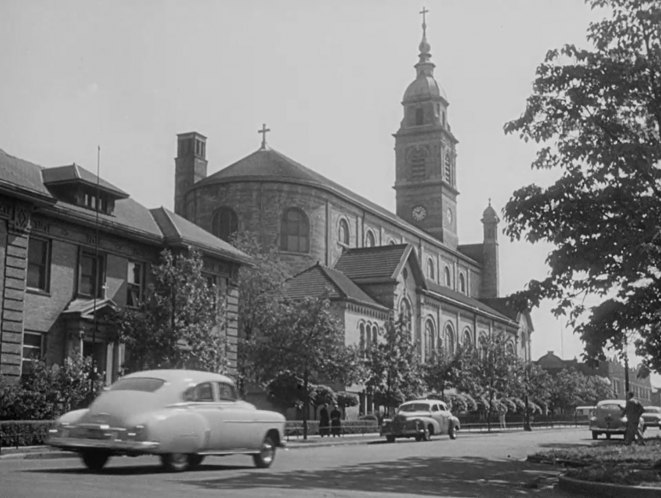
475 464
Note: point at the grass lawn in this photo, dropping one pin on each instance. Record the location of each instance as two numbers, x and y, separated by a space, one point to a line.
609 461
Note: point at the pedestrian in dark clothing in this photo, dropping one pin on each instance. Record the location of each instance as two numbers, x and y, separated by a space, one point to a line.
336 424
633 410
324 421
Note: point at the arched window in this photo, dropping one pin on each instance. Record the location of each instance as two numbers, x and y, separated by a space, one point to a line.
429 338
462 283
295 231
370 241
343 232
510 347
375 334
449 339
225 223
405 313
368 336
392 242
361 344
431 274
467 341
483 346
448 276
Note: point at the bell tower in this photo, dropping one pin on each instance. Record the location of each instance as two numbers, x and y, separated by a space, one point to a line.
425 178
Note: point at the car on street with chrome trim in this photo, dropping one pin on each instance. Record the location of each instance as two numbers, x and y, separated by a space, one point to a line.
608 418
420 419
652 416
179 415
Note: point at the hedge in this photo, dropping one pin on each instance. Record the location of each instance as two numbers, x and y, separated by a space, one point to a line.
24 432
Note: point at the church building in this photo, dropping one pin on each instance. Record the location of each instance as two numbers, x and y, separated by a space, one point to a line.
376 264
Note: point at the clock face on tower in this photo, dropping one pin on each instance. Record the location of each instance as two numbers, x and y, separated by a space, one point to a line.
419 213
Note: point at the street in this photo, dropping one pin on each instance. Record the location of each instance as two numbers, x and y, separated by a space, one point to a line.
475 464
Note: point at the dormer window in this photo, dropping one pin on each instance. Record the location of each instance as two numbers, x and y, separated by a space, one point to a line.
75 185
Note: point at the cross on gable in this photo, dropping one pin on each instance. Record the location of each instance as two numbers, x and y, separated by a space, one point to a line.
264 131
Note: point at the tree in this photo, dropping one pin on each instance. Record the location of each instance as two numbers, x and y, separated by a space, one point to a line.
393 371
490 373
260 291
597 115
443 370
180 323
307 339
286 390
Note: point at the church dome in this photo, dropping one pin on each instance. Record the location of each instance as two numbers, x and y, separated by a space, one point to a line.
424 87
489 215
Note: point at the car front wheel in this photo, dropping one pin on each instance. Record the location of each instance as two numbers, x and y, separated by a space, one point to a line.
595 435
175 462
266 454
452 431
95 460
390 439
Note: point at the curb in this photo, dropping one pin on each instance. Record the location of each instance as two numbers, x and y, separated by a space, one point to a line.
46 452
604 489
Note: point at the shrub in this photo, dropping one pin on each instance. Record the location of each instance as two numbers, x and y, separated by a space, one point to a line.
24 432
46 391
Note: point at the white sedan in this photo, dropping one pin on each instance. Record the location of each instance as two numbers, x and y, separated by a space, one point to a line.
180 415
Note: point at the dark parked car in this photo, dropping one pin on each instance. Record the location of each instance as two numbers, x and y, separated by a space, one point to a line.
421 419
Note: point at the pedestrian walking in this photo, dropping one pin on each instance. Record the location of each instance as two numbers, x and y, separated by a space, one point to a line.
633 410
336 423
324 421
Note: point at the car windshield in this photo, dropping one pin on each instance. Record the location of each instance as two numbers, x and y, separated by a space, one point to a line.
414 407
144 384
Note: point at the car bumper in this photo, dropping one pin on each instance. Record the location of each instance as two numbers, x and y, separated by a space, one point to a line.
610 430
112 445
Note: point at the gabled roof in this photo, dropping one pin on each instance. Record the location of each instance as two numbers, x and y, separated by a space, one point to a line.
467 302
508 308
319 280
178 231
74 174
473 251
375 264
23 179
86 307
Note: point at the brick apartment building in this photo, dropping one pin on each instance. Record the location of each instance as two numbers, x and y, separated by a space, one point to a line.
64 263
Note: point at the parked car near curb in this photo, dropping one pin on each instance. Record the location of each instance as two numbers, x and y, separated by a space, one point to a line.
652 416
421 419
609 419
179 415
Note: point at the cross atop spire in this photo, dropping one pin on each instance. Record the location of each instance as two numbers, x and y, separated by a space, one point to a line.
264 131
424 12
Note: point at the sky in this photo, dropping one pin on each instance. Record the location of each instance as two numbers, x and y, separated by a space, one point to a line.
327 78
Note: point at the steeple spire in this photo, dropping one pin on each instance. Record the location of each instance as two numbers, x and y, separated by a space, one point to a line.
424 65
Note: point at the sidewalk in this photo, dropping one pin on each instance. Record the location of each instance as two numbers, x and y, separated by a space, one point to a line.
313 440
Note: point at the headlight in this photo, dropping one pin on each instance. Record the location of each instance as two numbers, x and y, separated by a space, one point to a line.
60 429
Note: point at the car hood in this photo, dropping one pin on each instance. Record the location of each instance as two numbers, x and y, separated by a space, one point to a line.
116 407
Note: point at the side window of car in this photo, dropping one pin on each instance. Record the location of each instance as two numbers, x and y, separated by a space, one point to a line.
200 393
226 392
434 408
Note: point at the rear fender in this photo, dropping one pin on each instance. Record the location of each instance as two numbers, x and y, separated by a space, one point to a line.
178 431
